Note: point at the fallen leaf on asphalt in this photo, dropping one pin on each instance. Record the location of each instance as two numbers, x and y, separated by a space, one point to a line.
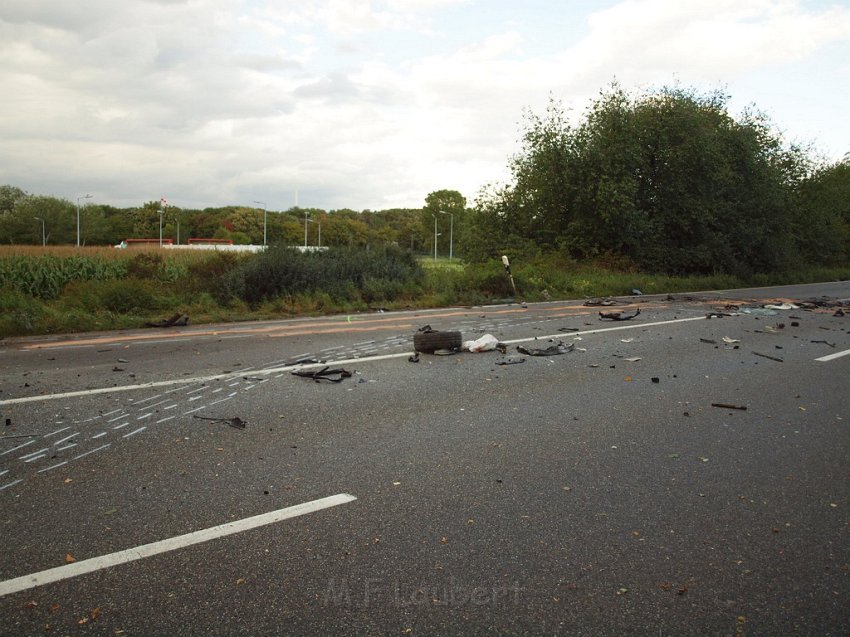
622 591
68 480
54 608
444 540
69 558
682 590
83 620
665 586
31 604
240 581
95 613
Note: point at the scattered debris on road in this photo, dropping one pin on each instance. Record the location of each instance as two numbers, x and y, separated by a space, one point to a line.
414 358
773 358
728 406
602 302
825 343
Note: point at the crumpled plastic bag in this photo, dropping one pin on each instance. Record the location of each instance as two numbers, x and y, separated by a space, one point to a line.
486 343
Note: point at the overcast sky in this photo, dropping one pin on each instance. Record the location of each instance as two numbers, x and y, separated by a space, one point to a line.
371 104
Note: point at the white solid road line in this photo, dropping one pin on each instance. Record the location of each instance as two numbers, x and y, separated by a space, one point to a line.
285 368
171 544
830 357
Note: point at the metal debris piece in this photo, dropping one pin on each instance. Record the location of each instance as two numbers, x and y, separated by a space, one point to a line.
552 350
603 302
414 358
773 358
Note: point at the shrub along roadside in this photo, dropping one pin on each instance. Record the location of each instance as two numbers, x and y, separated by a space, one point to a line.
220 287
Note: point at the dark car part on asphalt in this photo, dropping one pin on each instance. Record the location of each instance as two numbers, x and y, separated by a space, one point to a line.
326 373
178 320
617 316
728 406
603 302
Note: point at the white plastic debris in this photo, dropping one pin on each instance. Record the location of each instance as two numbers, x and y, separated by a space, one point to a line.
782 306
486 343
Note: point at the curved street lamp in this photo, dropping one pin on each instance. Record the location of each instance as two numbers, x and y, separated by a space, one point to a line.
78 216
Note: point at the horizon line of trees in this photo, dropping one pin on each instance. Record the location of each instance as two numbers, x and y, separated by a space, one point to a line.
21 216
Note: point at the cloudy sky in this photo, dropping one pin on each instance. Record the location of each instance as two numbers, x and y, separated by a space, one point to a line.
371 103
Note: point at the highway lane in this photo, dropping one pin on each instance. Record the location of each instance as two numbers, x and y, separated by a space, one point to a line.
562 495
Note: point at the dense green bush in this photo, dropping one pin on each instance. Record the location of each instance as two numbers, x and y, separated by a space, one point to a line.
341 273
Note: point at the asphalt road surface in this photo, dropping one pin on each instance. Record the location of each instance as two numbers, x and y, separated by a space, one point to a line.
184 482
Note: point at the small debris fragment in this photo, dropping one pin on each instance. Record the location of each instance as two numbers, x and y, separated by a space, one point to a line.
414 358
773 358
236 422
825 343
728 406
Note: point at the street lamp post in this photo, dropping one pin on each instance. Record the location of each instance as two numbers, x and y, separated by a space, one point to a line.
43 236
163 204
263 204
435 236
451 232
306 221
78 216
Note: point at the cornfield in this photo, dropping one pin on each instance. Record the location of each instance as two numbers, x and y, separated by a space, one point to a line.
44 273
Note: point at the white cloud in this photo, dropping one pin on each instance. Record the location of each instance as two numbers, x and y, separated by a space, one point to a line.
358 103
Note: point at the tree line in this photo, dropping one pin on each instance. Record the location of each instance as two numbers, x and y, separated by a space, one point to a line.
666 181
33 219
